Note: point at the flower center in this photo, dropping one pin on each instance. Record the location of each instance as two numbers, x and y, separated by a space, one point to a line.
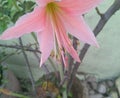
52 7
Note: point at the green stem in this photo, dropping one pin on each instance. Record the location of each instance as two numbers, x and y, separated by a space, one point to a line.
61 72
19 95
64 93
9 93
52 64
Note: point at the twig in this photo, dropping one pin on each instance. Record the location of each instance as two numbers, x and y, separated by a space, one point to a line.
46 69
71 63
63 81
98 12
104 19
28 66
71 59
19 47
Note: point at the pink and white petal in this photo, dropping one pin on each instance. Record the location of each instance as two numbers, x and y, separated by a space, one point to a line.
68 46
31 22
46 41
79 6
78 28
65 41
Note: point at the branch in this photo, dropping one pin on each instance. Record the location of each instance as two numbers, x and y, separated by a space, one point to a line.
19 48
71 60
104 19
106 16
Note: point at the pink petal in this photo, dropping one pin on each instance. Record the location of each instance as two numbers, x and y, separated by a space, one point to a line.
31 22
46 42
79 6
78 28
68 46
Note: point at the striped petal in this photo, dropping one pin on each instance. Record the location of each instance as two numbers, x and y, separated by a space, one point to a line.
46 42
78 28
68 46
79 6
64 41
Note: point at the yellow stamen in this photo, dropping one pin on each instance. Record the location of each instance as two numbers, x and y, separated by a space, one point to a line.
52 9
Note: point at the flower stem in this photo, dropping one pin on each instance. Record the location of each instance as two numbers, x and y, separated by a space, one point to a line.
28 66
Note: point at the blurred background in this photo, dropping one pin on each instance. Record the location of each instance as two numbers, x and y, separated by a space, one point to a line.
103 63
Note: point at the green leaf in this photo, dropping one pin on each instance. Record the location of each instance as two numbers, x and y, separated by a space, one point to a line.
17 15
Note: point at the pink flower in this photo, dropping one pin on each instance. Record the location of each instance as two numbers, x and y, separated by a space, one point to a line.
52 20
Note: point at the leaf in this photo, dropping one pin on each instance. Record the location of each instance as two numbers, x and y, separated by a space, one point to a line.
4 20
7 92
27 6
17 15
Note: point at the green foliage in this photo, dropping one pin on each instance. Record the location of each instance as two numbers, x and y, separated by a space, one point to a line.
1 74
2 55
3 23
11 10
4 16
